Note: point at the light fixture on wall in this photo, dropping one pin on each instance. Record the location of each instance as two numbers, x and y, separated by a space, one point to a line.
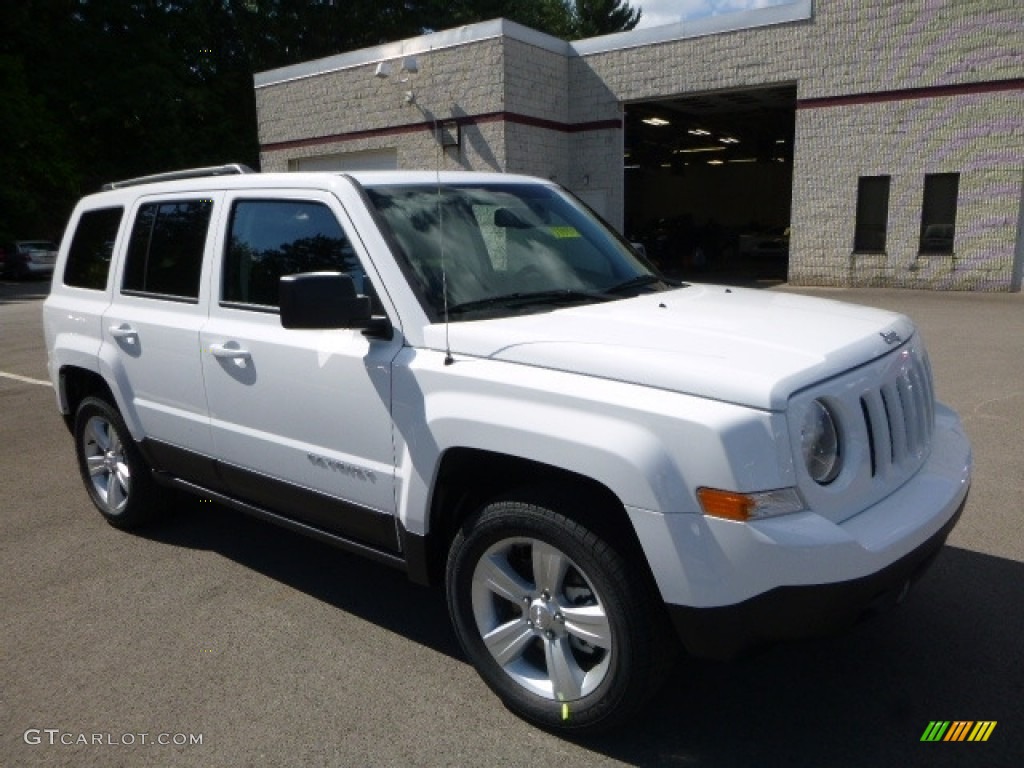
408 67
449 133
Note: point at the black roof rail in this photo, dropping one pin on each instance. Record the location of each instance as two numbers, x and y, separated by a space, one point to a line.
188 173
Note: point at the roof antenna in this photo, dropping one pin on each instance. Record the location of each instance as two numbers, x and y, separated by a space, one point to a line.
448 359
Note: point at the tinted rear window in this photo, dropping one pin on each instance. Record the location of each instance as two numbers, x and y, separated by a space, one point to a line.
91 248
165 254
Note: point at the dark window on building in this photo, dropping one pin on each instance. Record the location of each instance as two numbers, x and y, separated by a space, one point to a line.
872 214
938 212
165 253
92 247
272 238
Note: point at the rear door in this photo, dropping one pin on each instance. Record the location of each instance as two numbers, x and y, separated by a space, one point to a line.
153 326
301 419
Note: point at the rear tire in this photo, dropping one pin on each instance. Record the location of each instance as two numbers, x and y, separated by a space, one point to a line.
555 619
115 474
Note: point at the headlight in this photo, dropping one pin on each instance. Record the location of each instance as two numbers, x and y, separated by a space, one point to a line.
819 440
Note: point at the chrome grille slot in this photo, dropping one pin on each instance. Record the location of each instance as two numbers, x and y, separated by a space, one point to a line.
899 416
876 421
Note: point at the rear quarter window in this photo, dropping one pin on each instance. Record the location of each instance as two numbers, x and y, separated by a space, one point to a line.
92 247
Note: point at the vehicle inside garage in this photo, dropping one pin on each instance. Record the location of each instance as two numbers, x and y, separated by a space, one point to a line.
708 182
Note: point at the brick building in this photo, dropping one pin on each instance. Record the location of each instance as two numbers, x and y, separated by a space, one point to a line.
840 142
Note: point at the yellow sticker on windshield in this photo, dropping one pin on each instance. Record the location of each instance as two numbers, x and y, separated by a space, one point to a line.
564 233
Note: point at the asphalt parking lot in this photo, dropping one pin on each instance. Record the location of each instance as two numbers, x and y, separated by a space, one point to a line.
239 644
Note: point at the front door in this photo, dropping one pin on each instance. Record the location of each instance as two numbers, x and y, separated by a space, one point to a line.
301 419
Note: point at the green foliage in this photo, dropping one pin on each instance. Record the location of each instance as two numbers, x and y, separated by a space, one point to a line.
602 17
97 90
35 166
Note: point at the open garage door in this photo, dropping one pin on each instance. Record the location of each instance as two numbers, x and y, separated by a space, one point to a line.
708 181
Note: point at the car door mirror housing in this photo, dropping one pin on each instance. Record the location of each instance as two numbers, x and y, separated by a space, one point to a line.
322 300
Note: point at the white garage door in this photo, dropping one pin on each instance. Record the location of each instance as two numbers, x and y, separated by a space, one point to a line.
377 160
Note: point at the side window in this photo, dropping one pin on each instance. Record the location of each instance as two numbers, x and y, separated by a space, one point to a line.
938 212
91 248
165 253
269 239
872 220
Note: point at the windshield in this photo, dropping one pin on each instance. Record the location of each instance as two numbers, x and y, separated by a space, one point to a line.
506 248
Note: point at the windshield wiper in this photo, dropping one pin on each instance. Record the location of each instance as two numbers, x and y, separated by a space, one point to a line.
638 282
527 298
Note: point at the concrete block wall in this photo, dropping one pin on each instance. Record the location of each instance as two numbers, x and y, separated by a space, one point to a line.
862 46
979 136
914 64
865 47
350 110
883 88
537 107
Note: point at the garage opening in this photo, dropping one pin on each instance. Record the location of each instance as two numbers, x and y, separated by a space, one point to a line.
708 182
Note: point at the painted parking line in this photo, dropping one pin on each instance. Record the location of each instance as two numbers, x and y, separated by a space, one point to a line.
26 379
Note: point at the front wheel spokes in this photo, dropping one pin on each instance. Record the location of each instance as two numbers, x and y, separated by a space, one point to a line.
502 580
508 642
549 567
588 623
563 670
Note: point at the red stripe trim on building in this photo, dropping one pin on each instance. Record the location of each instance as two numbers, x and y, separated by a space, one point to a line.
492 117
906 94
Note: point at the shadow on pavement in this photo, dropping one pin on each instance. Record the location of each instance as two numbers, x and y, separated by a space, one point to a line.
348 582
862 698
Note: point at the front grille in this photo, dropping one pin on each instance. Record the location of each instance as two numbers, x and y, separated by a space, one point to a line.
899 416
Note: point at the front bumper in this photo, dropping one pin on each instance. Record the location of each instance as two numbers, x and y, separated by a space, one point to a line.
729 585
803 611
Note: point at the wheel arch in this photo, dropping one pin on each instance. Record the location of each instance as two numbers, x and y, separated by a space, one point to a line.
75 384
467 478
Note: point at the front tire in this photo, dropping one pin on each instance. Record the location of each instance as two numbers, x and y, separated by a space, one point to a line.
115 474
553 617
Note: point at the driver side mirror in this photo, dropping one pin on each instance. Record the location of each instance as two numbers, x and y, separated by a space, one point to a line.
322 300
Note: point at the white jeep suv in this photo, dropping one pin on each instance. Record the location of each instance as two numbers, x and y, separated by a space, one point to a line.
471 378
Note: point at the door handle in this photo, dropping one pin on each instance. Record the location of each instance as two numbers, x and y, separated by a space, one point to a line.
124 331
231 353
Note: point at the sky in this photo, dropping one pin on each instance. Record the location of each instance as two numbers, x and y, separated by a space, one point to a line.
658 12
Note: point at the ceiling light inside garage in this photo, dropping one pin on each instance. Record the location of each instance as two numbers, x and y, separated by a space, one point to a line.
658 121
688 150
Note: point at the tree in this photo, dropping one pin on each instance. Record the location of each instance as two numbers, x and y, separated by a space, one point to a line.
97 90
602 17
567 19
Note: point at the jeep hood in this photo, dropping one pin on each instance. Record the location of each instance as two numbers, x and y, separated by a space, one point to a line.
744 346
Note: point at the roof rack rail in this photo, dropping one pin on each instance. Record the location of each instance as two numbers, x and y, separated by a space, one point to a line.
188 173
